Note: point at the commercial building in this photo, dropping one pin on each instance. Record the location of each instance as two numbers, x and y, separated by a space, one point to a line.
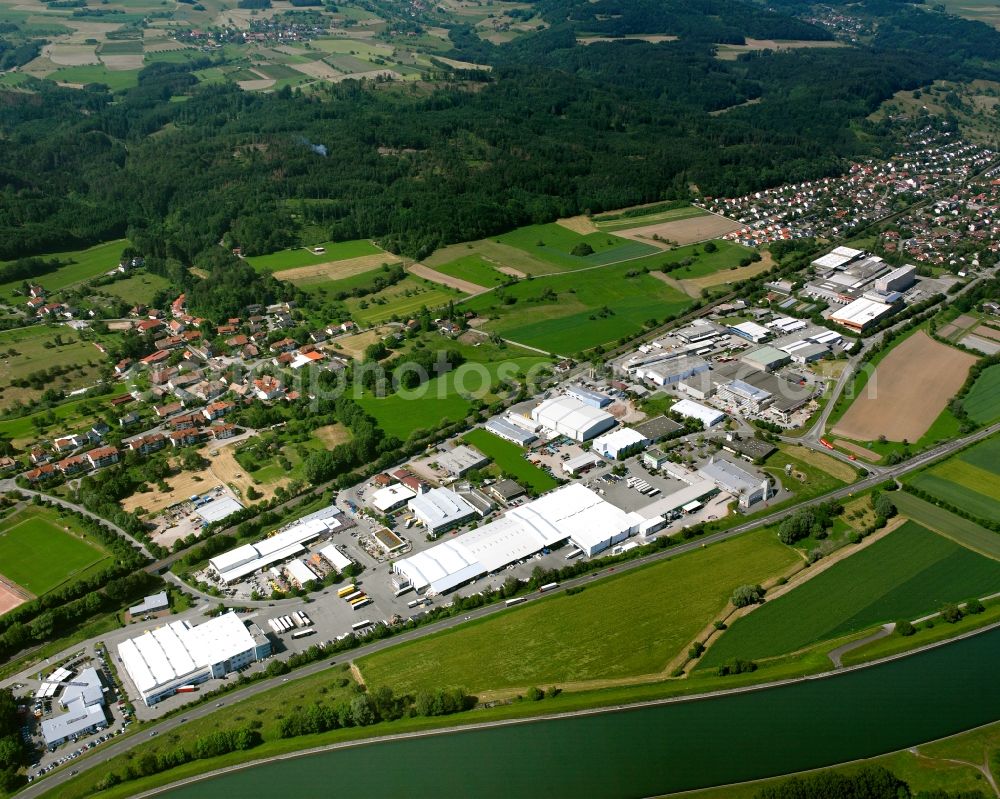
695 410
838 258
654 458
680 501
700 387
588 396
216 510
699 330
573 513
506 490
460 460
748 488
441 509
238 563
581 463
391 498
861 314
751 331
160 661
899 279
672 371
572 418
508 431
83 701
151 604
299 572
749 399
335 557
767 359
752 449
623 441
658 428
805 351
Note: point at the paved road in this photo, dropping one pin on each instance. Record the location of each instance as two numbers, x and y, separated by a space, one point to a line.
119 746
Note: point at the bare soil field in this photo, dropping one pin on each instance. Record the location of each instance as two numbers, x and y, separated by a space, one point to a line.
857 449
335 270
256 85
11 596
907 391
510 270
71 55
332 434
120 63
683 231
318 69
948 331
451 62
987 332
434 276
578 224
730 52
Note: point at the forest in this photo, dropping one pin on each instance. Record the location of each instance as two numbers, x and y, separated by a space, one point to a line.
555 129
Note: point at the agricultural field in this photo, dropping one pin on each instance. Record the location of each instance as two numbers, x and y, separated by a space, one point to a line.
474 269
678 226
22 430
730 52
403 300
958 529
39 551
572 312
889 406
812 473
306 256
554 244
624 627
509 458
909 572
982 403
80 265
969 480
979 10
139 289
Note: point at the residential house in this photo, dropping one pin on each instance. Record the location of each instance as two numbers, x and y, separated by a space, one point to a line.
129 419
223 430
216 410
67 444
148 325
97 433
35 290
237 341
268 388
184 438
123 366
73 464
162 377
163 411
7 464
157 357
38 455
102 456
284 345
148 444
187 421
177 306
43 472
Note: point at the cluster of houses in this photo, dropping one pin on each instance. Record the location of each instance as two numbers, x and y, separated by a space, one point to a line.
832 207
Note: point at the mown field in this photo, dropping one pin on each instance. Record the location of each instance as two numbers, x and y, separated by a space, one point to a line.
138 289
910 572
38 554
475 269
304 256
554 244
608 223
80 265
402 300
982 403
568 313
510 459
943 521
969 480
634 624
821 473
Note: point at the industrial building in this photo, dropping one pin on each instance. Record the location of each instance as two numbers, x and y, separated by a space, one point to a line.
749 399
658 428
861 314
805 351
243 561
335 557
299 572
672 371
838 258
899 279
699 330
509 431
623 441
767 359
153 603
581 463
160 661
751 331
588 397
460 460
506 490
572 418
695 410
440 510
746 487
573 513
83 701
684 500
654 458
216 510
391 498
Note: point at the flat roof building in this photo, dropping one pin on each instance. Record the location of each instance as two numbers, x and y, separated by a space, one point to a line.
441 509
899 279
751 331
335 557
151 604
501 427
218 509
672 371
837 258
695 410
748 488
506 490
160 661
749 399
391 498
861 314
581 463
572 418
460 460
767 359
588 396
658 428
83 701
624 440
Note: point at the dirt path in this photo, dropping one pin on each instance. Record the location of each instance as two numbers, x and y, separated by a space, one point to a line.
836 655
663 277
510 270
465 286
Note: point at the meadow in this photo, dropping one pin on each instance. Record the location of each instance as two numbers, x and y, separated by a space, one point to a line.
39 555
608 223
821 472
909 572
80 265
982 403
139 289
475 269
969 480
943 521
575 311
621 627
403 300
509 458
26 350
554 244
304 256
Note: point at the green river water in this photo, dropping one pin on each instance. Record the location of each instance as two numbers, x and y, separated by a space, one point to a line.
663 748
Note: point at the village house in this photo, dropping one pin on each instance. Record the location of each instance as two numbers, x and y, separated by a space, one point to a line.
73 464
268 388
102 456
43 472
147 444
184 438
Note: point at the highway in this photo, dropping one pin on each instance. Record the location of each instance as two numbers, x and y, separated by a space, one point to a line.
121 745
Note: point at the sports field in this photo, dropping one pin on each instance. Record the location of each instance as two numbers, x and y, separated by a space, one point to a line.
943 521
37 553
892 405
306 256
631 625
969 480
510 459
909 572
982 403
80 265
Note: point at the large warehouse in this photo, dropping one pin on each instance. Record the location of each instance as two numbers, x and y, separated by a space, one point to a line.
162 660
861 314
572 418
695 410
441 509
573 513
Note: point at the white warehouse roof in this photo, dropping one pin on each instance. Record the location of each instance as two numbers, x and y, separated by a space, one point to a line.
860 313
334 555
572 418
244 560
610 444
389 497
695 410
299 571
440 507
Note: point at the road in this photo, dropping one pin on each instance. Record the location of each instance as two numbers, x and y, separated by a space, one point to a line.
119 746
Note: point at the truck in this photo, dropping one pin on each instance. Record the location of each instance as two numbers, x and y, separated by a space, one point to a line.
187 689
347 589
548 587
826 443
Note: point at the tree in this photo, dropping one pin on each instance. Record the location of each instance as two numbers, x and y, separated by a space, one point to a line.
711 246
974 607
745 595
905 628
582 250
951 613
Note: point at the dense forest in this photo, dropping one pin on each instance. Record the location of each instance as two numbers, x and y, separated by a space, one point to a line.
554 129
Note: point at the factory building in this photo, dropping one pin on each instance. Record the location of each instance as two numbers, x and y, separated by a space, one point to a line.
623 441
83 701
507 430
391 498
899 279
572 418
751 331
672 371
698 330
748 488
838 258
695 410
595 399
460 460
766 359
747 398
160 661
861 314
441 509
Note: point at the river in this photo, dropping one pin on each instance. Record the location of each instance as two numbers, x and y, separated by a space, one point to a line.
664 748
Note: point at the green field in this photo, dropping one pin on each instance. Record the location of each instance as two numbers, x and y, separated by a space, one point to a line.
510 459
402 300
38 555
554 244
817 481
475 269
321 285
965 532
910 572
114 79
138 289
609 225
304 256
629 625
982 403
81 265
572 312
969 480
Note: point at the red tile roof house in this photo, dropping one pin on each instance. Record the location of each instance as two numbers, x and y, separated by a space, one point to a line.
156 357
268 388
102 456
73 464
147 444
222 431
41 473
182 438
162 411
217 410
